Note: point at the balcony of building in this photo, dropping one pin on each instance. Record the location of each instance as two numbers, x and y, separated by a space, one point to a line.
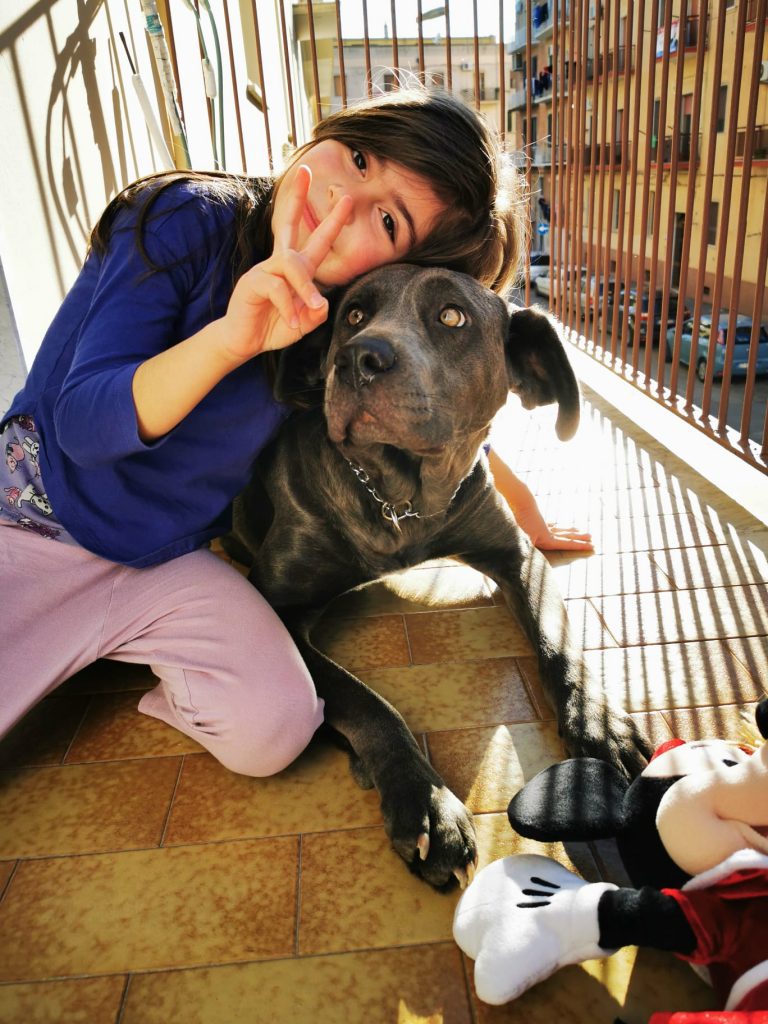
143 883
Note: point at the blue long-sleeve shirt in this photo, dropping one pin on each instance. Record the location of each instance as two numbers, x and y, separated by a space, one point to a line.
125 500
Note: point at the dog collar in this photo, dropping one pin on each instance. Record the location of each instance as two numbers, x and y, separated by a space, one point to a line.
391 512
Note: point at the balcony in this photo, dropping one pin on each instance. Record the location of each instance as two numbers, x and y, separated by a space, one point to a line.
300 910
686 146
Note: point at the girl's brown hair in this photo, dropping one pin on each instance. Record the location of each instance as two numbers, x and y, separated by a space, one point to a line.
481 232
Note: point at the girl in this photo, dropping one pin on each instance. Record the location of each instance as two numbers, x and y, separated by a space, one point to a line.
150 398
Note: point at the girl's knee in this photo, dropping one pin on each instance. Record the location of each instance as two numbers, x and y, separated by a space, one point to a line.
267 748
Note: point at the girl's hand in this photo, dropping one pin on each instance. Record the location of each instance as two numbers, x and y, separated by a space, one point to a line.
276 302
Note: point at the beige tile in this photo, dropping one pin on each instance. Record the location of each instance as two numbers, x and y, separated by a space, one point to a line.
654 725
724 565
90 1000
631 985
85 808
672 675
529 669
316 793
752 652
179 907
453 586
418 985
6 870
686 615
652 533
44 734
465 636
386 905
595 575
370 642
108 676
114 728
587 628
497 839
728 722
455 695
486 767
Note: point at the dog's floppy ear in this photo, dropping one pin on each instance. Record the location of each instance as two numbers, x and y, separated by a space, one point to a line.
301 367
538 368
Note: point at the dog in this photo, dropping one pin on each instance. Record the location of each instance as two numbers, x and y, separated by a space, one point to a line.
384 470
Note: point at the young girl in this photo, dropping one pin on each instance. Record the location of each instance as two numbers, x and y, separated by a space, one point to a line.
150 398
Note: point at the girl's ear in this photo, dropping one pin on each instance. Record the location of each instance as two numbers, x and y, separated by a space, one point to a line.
538 368
575 800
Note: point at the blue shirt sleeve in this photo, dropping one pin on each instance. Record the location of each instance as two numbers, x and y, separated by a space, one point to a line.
134 314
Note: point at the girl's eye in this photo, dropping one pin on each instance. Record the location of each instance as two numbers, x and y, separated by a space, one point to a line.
359 160
389 225
355 316
452 316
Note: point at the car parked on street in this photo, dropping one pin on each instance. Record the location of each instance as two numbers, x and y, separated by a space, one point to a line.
639 315
740 347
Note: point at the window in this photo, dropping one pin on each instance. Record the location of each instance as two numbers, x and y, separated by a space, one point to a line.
616 200
714 210
651 207
722 101
655 130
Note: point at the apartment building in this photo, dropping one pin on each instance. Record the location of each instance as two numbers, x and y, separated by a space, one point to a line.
653 101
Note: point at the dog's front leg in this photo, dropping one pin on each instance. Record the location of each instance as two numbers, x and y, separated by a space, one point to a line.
429 827
589 724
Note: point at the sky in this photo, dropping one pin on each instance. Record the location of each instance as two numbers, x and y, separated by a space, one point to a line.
461 16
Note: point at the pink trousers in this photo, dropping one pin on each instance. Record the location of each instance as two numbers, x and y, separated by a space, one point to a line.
230 675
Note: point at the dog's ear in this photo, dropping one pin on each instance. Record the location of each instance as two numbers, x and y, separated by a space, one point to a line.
539 370
300 371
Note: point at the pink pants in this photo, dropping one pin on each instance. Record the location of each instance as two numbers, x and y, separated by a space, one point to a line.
230 675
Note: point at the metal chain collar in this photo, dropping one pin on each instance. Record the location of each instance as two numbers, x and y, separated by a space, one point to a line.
392 513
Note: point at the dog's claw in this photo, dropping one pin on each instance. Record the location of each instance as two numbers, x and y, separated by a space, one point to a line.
462 876
471 869
422 844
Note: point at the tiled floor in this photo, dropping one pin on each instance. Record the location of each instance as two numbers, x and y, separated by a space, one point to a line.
141 882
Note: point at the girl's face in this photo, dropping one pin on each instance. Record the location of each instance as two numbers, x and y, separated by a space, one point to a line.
393 208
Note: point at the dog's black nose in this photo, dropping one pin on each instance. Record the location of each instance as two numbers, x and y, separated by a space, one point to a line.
361 361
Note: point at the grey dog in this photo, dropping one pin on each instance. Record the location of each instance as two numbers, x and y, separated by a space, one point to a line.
384 470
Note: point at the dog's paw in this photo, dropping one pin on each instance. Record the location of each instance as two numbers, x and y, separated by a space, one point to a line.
591 727
434 835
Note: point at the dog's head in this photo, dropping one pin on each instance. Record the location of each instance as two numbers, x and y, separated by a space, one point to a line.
422 359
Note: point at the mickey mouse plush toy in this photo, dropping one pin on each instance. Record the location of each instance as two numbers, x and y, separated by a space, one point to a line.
692 831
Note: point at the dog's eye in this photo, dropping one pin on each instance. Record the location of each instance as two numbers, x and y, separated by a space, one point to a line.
355 316
452 316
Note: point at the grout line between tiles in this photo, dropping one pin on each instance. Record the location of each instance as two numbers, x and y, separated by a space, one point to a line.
297 911
123 1000
78 727
166 823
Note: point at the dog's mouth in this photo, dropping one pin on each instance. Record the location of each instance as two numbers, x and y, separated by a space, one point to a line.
356 424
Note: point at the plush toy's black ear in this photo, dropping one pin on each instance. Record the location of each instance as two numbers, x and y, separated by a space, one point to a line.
761 716
576 800
538 368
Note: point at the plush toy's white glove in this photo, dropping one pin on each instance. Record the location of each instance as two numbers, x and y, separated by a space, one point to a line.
521 919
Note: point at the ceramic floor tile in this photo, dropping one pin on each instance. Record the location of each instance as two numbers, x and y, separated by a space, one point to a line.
85 808
596 575
6 870
486 767
372 642
587 628
718 566
455 696
465 636
384 905
628 986
654 725
752 652
90 1000
179 907
455 586
672 675
497 839
686 615
106 676
729 722
417 985
43 736
316 793
651 533
114 728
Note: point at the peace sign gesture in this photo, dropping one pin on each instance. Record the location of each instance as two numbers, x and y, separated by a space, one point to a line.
276 302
